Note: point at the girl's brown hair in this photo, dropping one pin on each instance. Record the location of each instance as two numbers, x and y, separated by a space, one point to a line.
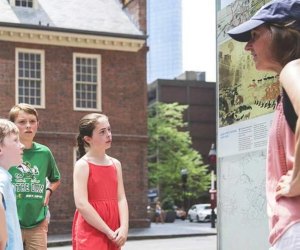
87 125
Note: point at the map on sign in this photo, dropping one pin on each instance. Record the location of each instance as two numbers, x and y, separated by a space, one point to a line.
242 202
248 201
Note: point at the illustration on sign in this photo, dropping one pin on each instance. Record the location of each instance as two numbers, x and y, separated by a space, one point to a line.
244 93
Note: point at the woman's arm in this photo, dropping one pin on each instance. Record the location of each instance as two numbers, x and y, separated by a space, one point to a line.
289 78
80 179
3 231
123 208
289 185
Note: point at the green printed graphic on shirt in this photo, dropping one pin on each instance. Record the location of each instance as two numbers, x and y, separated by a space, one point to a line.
29 180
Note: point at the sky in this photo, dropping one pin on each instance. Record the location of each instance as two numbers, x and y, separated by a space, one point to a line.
199 37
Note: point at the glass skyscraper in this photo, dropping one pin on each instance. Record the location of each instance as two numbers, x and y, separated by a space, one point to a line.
164 27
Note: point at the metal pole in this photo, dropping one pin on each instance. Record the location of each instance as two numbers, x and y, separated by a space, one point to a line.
213 218
212 162
184 177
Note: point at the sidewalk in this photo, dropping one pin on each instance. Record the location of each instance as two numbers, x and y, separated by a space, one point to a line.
156 231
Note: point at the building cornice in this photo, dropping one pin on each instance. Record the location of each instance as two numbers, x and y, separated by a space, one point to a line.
70 38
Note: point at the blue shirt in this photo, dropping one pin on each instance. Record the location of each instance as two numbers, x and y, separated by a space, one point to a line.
11 215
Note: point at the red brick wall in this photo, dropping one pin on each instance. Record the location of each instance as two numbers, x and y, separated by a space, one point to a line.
123 76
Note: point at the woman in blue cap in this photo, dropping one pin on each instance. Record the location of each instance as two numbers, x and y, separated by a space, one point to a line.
273 39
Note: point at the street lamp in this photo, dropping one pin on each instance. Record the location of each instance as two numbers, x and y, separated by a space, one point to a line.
212 157
184 177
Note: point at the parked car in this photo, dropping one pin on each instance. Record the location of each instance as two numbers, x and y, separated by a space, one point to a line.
200 213
180 213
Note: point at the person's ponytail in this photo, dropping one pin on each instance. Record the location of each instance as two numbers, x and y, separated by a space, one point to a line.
80 144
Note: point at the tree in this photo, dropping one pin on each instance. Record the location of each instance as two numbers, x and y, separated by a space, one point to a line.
169 151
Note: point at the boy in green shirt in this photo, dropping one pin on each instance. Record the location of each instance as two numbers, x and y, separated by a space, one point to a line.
30 179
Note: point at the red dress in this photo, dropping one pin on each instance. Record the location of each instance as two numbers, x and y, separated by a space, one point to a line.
103 196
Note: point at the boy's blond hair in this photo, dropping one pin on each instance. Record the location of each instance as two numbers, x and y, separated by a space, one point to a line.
27 108
7 128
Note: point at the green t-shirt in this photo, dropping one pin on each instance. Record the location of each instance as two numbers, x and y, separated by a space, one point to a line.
29 180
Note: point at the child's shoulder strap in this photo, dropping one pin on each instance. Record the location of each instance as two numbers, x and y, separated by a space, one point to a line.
289 111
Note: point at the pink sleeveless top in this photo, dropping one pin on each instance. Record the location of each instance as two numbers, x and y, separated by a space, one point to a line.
286 211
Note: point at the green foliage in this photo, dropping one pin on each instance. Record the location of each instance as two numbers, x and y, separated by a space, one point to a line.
168 203
170 150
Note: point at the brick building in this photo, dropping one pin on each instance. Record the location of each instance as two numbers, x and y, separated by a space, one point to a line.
72 57
191 88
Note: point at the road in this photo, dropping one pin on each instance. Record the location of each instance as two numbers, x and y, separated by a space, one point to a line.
182 243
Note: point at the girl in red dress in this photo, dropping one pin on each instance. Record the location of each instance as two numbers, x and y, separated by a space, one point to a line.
101 218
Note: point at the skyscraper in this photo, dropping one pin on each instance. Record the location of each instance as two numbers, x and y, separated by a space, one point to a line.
164 25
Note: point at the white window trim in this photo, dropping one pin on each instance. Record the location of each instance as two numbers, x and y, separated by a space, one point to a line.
98 93
34 4
42 54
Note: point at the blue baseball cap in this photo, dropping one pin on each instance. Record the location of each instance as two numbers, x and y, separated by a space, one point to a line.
277 11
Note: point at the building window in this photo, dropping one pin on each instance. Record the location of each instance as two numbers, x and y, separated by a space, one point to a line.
86 82
30 77
24 3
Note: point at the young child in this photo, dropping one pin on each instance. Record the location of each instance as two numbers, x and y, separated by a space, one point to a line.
11 151
30 179
101 218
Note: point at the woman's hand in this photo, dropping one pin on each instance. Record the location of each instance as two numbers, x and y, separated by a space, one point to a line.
288 186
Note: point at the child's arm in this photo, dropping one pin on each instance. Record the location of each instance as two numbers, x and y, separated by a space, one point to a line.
3 230
53 186
123 208
90 215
